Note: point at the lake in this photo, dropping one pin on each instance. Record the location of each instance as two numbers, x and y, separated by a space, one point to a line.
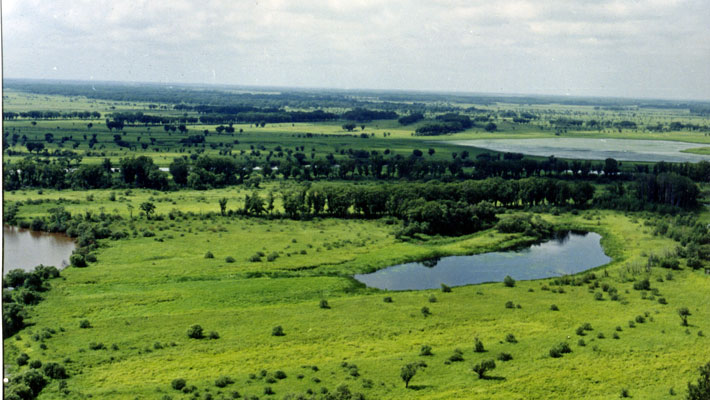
568 253
593 149
25 249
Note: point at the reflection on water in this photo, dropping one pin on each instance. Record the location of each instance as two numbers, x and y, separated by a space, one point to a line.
567 253
25 249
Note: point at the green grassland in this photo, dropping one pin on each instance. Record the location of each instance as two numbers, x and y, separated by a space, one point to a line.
144 292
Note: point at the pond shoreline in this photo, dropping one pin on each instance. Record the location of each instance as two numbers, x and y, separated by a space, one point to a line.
25 249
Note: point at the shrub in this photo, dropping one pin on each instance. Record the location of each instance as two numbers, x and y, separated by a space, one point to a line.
560 349
600 335
36 364
483 367
598 296
213 335
662 300
510 338
255 258
581 343
268 390
616 336
96 346
632 324
222 381
509 304
457 356
178 384
425 350
505 357
580 331
387 299
508 281
22 359
280 375
478 346
426 312
277 331
324 304
273 256
640 319
432 299
554 307
229 259
77 260
55 371
445 288
642 285
195 332
209 255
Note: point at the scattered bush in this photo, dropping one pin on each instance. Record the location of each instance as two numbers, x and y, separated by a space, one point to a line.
84 324
509 304
483 367
324 304
554 307
457 356
229 259
22 359
560 349
280 375
195 332
178 384
478 346
425 350
209 255
426 312
96 346
277 331
55 371
273 256
213 335
432 299
505 357
36 364
222 381
387 299
445 288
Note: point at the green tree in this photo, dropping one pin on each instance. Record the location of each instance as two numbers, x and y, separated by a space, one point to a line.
223 206
684 313
148 208
483 367
408 371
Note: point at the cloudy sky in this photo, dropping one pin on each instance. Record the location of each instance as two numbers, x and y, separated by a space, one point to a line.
626 48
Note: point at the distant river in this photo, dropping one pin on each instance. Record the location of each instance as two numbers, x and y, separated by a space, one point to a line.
25 249
593 149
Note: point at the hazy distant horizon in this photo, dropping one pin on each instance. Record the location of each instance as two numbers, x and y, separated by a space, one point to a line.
354 90
641 49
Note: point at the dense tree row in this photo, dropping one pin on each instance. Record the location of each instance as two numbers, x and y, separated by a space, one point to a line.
51 115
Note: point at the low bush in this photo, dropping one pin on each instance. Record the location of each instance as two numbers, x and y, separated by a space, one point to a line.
195 332
223 381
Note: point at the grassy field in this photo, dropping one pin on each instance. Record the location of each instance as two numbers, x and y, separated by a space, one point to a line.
143 294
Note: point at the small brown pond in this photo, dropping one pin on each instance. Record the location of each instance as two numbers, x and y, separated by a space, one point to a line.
25 249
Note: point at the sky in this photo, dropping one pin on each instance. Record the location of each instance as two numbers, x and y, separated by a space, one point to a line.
609 48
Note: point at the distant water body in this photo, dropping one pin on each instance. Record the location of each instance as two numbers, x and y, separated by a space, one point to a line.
593 149
25 249
569 253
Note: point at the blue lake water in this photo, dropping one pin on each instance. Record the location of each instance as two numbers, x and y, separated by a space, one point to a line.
569 253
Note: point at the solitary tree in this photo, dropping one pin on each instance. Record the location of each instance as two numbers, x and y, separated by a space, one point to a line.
349 127
684 313
223 206
408 371
483 367
148 208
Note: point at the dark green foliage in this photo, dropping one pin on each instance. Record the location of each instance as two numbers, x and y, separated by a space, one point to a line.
84 324
178 384
508 281
701 389
387 299
642 285
432 299
195 332
77 260
209 255
223 381
36 364
324 304
277 331
478 346
55 371
13 316
445 288
684 313
409 370
560 349
229 259
268 390
280 375
425 350
425 311
96 346
509 304
510 338
457 356
483 367
213 335
554 307
22 359
505 357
